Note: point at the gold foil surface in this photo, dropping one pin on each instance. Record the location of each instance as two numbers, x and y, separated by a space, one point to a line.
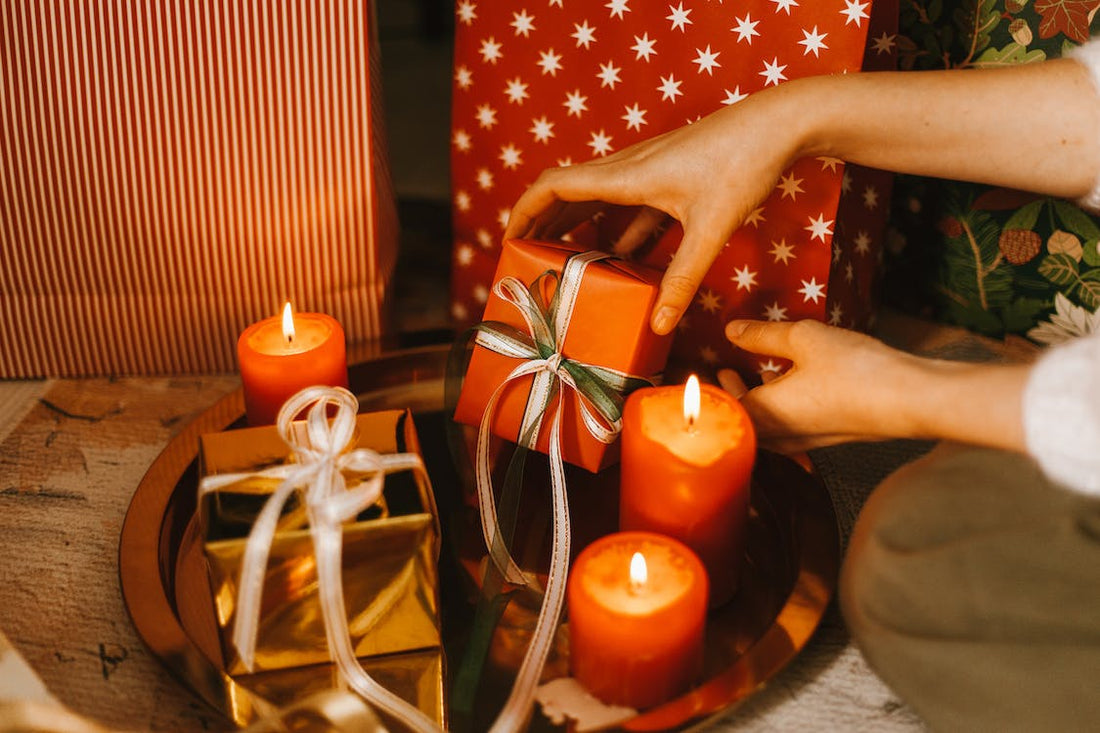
389 557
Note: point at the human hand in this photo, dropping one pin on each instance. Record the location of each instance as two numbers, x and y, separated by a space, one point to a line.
708 175
843 386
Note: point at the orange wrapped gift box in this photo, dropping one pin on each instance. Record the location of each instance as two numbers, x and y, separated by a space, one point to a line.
609 328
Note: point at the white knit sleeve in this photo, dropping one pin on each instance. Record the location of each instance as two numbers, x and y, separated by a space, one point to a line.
1061 413
1088 56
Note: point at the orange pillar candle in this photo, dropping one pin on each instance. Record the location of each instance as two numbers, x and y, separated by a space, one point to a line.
280 356
687 458
637 610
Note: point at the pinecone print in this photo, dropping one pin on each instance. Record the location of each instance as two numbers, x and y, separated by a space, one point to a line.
1019 245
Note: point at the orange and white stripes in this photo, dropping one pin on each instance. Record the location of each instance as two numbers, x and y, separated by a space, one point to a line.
172 170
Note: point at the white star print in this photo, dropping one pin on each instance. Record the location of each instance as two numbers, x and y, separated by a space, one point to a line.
854 9
830 164
774 313
849 274
542 129
617 7
564 162
465 12
710 301
813 41
790 186
575 101
708 355
744 278
707 61
683 325
462 200
862 242
461 140
773 72
679 18
609 75
845 183
516 91
870 197
812 290
819 228
836 252
585 34
484 179
523 23
733 97
884 43
481 293
746 29
464 255
502 218
770 366
635 118
510 157
463 77
835 314
784 5
643 47
486 116
490 51
552 3
670 88
484 238
600 143
550 62
755 217
458 310
782 251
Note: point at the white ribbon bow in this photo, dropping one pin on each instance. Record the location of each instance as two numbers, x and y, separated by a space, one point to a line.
322 462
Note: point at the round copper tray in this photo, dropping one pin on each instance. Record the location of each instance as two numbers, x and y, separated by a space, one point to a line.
787 581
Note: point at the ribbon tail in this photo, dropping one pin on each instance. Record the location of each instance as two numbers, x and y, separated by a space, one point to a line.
327 546
517 708
490 524
253 568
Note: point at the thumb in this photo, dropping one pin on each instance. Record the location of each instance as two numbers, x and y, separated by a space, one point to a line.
681 280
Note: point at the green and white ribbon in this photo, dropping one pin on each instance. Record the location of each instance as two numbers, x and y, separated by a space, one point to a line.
322 462
599 393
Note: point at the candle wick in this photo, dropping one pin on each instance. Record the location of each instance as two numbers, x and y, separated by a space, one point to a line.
289 338
691 424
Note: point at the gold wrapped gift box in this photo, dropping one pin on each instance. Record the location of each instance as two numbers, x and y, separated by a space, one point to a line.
390 554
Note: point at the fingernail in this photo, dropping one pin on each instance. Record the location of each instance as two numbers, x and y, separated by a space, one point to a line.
734 329
664 320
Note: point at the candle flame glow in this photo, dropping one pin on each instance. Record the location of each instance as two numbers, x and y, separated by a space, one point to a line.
288 323
691 401
639 574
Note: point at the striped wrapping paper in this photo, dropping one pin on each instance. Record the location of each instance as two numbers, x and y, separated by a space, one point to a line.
173 170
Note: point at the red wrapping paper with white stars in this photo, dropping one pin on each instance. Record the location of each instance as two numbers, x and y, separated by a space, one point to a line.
544 83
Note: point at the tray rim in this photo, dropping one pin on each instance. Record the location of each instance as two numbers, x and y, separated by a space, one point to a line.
144 592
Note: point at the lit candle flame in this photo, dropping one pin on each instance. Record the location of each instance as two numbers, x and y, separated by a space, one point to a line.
639 574
691 402
288 323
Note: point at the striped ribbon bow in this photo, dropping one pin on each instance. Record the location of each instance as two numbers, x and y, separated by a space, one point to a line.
322 461
600 395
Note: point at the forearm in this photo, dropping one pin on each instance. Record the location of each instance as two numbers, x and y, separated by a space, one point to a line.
971 403
1032 127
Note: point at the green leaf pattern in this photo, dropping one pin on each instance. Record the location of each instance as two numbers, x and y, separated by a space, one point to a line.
970 273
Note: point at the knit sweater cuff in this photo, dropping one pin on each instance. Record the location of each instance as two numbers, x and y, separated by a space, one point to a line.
1061 414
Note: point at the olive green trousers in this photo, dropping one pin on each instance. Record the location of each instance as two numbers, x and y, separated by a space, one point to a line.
972 586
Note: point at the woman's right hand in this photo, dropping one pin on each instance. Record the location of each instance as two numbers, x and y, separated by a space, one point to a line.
709 175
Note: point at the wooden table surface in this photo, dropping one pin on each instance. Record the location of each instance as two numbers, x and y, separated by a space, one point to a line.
72 453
